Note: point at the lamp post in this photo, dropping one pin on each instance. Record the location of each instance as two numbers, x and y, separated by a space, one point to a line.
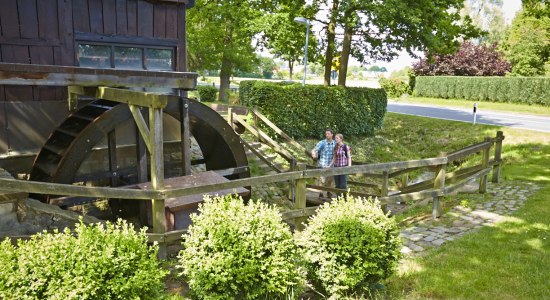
303 20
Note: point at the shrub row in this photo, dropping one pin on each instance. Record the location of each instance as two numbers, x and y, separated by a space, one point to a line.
207 93
394 87
305 111
238 251
94 262
525 90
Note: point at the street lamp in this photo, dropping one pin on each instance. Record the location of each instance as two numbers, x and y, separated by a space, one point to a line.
303 20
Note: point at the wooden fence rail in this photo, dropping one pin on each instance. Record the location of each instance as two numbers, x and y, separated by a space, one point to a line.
434 188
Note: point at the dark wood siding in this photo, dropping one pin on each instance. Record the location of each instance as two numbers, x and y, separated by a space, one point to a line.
46 32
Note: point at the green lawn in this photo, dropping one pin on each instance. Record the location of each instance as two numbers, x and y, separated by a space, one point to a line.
508 261
482 105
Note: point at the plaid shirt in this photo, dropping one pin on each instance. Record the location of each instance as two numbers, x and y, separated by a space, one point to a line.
340 156
325 151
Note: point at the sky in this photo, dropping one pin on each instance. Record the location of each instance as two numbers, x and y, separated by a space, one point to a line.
509 7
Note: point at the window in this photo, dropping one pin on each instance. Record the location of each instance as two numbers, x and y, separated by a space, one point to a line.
103 56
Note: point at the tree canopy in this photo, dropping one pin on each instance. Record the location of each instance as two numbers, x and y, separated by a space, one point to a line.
379 30
469 60
527 43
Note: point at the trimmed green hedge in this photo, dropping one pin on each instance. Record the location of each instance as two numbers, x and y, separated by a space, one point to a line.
525 90
207 93
306 111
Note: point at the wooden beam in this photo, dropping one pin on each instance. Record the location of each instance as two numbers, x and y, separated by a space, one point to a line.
141 125
48 188
25 74
142 99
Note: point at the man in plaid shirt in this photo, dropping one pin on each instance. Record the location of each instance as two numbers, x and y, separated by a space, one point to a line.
324 151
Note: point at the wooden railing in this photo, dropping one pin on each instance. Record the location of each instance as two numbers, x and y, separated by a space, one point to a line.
442 184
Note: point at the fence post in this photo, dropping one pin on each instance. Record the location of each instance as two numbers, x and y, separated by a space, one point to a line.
385 184
300 199
439 184
404 180
498 154
292 189
258 139
157 175
230 117
484 165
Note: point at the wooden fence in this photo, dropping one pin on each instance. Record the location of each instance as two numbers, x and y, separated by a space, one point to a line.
435 188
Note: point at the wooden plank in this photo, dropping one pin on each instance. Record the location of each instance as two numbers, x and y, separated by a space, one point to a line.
185 136
81 16
66 55
109 17
263 158
181 54
28 18
297 213
340 191
48 26
257 132
278 130
468 151
29 42
159 20
24 74
121 17
484 164
498 156
116 39
131 7
9 19
96 15
300 199
145 18
452 188
46 188
375 167
141 126
253 181
363 184
171 22
403 171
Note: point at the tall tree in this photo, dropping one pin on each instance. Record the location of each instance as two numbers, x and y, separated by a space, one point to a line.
379 30
221 35
286 38
527 44
488 16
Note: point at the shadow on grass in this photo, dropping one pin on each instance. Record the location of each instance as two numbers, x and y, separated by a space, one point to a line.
509 260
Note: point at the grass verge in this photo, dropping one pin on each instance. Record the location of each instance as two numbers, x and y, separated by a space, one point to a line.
482 105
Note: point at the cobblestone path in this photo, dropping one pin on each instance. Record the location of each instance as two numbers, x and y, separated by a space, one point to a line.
501 200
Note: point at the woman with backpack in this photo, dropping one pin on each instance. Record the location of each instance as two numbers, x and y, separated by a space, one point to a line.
342 158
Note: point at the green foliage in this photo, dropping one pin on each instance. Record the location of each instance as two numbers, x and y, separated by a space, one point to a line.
237 251
305 111
101 262
394 87
527 44
207 93
349 245
525 90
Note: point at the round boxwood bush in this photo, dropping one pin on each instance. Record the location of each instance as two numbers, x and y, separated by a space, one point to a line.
207 93
109 261
349 246
238 251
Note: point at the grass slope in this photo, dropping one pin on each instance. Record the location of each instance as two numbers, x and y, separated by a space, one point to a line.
508 261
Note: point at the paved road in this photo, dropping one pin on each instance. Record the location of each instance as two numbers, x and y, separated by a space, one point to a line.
519 121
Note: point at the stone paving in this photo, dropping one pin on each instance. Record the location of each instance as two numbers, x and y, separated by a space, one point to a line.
501 200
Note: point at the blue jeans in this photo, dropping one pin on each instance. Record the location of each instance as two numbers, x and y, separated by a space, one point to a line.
341 181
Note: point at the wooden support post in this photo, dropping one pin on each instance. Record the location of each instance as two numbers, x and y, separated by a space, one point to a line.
484 164
404 180
292 188
439 184
157 174
385 184
230 117
113 164
258 138
185 136
141 158
300 199
498 157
